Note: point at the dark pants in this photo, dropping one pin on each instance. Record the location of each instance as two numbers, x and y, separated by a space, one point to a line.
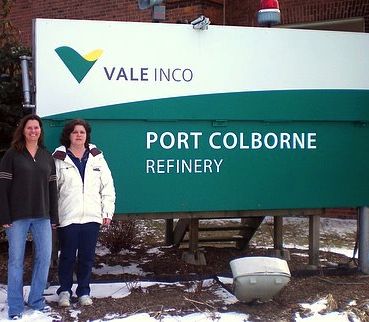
77 240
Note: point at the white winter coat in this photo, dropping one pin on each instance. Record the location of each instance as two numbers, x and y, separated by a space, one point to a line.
89 201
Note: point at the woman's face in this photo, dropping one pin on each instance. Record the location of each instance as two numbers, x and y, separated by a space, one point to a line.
32 131
78 136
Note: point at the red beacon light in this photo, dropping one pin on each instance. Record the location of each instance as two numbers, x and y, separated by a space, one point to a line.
269 13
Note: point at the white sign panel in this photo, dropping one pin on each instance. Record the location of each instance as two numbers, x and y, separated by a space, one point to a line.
84 64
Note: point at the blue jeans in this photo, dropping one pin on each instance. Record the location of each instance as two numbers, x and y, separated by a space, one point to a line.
17 236
81 238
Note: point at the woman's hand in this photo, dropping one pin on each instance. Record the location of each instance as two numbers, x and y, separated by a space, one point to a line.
7 225
106 222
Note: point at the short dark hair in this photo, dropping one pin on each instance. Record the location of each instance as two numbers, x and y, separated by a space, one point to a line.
69 128
19 141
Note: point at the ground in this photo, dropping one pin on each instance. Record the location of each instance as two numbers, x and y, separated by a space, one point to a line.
337 280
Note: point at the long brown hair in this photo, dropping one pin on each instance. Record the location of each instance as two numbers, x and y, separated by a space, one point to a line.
19 141
69 128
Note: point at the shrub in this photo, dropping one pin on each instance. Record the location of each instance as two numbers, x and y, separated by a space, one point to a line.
119 235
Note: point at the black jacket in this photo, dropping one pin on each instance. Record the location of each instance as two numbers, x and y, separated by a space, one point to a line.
27 186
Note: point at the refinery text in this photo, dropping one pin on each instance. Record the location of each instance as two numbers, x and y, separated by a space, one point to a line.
196 140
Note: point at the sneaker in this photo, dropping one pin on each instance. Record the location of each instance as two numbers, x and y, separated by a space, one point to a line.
85 300
15 317
64 299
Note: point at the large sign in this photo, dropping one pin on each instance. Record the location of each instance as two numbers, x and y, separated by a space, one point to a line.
230 118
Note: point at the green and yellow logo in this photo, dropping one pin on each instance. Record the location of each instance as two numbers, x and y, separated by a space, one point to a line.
78 65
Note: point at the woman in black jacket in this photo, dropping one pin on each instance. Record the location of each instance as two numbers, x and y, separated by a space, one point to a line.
28 203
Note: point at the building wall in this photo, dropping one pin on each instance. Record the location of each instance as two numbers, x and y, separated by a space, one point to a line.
229 12
177 11
185 11
243 13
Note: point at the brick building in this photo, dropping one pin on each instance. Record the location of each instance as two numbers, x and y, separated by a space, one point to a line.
349 15
345 15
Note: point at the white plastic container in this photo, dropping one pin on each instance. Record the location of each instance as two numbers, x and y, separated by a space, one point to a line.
259 278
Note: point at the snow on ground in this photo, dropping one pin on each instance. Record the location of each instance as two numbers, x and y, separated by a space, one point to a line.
118 290
331 226
318 307
132 269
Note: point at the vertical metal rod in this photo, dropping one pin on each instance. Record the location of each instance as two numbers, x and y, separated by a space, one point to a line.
364 239
25 81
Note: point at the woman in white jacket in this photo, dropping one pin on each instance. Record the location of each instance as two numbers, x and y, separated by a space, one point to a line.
86 200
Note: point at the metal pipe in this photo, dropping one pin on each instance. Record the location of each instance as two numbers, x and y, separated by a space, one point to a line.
25 81
364 239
